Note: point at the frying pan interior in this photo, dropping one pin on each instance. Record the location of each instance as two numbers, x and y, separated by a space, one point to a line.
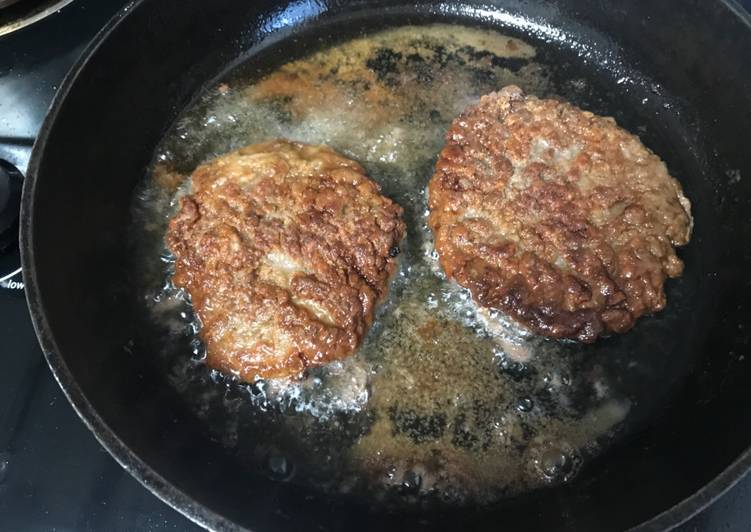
675 72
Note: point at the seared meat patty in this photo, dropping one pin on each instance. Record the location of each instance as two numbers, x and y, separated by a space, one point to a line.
556 216
285 249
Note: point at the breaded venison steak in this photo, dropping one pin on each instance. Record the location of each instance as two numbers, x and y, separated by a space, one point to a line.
556 216
285 250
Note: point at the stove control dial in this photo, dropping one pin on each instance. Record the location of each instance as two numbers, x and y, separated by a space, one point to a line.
11 182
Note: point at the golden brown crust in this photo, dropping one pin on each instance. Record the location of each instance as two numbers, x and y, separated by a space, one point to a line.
556 216
285 249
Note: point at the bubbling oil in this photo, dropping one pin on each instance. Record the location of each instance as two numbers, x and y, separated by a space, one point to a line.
443 401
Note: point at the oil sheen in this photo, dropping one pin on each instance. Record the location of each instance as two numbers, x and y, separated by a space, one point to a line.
443 402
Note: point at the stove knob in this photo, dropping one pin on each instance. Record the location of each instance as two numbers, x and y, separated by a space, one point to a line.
11 182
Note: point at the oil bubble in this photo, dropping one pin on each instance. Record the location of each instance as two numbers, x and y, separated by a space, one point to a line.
412 482
554 462
525 404
280 468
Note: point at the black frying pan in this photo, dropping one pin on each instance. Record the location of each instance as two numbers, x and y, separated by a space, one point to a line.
691 60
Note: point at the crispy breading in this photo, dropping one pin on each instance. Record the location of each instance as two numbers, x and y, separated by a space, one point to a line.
285 250
556 216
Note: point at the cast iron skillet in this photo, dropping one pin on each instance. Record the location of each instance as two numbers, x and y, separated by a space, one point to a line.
679 67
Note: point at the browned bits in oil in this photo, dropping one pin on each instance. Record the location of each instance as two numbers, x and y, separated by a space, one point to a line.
428 404
166 178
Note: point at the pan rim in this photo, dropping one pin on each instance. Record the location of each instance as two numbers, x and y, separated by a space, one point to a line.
107 438
176 498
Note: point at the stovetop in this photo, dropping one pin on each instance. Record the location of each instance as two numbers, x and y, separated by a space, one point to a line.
53 473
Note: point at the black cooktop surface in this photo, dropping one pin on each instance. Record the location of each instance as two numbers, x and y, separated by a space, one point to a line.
53 473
